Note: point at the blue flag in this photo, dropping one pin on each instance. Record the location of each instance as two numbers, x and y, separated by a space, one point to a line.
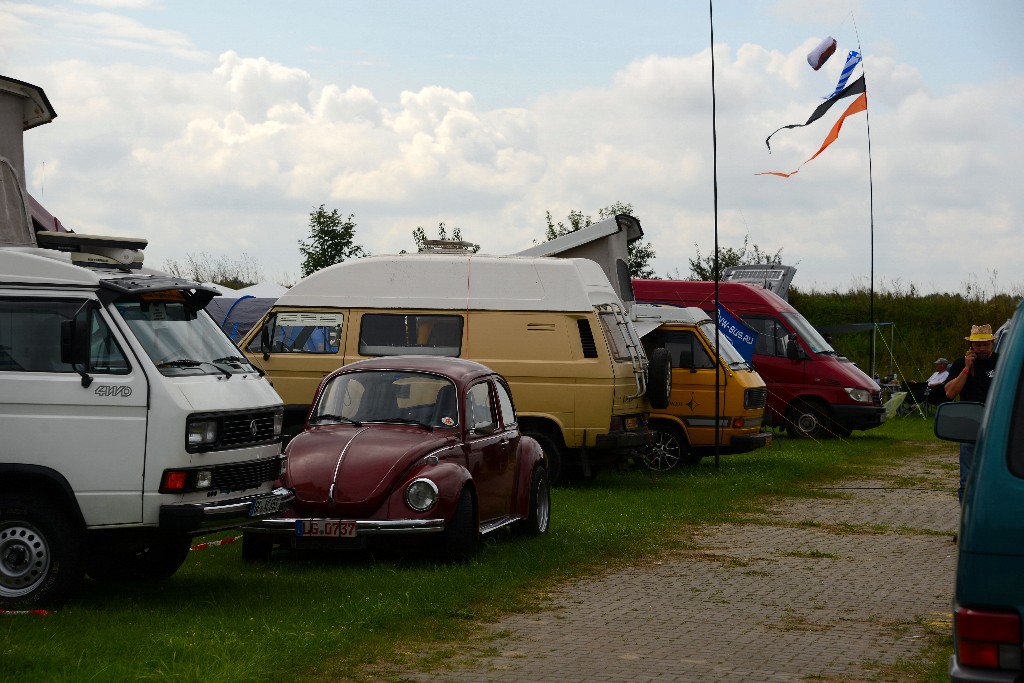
741 336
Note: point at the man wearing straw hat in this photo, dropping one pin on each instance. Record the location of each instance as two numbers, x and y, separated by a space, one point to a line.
970 378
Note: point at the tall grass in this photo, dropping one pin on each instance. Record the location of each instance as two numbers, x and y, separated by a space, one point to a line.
300 618
926 326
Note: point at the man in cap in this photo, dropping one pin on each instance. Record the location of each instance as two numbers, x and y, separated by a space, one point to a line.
970 379
938 377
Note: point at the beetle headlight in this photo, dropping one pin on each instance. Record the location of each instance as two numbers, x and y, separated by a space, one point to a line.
421 494
862 395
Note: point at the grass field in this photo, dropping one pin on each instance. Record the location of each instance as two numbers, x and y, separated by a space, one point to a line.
321 618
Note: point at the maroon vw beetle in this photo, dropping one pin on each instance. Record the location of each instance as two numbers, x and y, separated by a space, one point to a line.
414 447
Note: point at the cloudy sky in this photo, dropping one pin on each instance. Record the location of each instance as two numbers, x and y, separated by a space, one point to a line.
217 127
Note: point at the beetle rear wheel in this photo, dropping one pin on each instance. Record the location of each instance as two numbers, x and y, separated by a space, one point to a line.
539 517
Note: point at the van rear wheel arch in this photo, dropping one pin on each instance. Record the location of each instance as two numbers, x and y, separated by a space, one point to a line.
550 439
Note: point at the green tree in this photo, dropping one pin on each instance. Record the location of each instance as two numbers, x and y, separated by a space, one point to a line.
419 236
330 241
640 253
702 267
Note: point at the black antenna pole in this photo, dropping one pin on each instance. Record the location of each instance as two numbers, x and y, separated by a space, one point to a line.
714 164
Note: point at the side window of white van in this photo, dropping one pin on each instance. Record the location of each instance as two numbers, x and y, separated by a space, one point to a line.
392 334
30 338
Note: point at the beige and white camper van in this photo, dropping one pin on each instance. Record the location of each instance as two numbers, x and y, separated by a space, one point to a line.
555 329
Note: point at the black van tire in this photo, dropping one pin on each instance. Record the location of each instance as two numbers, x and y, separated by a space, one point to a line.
553 456
808 420
42 555
159 559
256 547
659 378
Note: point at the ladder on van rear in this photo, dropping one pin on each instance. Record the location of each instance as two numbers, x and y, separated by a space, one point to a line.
637 357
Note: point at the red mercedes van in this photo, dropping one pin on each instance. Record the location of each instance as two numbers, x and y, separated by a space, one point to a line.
812 390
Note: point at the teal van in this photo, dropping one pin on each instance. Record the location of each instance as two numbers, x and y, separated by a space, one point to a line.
989 601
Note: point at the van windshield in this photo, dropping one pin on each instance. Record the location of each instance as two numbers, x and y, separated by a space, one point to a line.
815 341
180 339
727 351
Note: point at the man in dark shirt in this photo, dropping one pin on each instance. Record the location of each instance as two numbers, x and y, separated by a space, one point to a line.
969 378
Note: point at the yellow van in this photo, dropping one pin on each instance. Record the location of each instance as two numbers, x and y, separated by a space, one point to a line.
554 328
684 432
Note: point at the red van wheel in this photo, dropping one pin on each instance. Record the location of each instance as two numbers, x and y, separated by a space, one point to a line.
806 419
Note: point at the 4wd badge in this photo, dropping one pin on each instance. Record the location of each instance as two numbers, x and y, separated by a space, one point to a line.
123 391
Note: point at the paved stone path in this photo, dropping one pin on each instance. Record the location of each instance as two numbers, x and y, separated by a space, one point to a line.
832 588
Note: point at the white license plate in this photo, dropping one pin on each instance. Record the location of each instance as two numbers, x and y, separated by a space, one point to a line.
264 506
326 528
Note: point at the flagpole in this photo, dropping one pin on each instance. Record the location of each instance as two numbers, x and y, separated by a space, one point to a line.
714 165
871 194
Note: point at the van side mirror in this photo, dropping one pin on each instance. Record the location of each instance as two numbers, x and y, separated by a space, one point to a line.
265 339
793 350
958 421
76 341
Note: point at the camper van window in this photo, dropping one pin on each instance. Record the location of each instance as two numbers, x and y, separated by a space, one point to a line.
771 336
30 339
684 349
389 334
302 332
811 336
613 331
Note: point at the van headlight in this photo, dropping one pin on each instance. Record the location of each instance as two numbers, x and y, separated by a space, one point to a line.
421 494
861 395
201 433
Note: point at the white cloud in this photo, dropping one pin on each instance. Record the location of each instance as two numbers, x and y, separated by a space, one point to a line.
232 154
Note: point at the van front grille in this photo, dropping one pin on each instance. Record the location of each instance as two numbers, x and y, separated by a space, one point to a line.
755 398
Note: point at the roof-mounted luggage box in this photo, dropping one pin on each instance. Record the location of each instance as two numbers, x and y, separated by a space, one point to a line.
96 251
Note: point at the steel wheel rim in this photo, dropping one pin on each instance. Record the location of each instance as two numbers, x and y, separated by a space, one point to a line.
543 506
24 559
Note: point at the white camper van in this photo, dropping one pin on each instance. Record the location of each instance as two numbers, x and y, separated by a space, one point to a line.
555 329
130 421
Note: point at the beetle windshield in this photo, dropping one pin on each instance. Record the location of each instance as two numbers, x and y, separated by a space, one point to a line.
180 339
388 396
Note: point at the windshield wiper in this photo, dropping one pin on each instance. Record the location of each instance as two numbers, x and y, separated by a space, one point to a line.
337 418
189 363
405 420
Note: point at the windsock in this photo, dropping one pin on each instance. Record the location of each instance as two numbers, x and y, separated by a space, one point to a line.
820 54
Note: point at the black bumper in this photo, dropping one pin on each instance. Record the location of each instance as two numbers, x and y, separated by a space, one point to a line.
621 440
745 444
223 514
858 417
